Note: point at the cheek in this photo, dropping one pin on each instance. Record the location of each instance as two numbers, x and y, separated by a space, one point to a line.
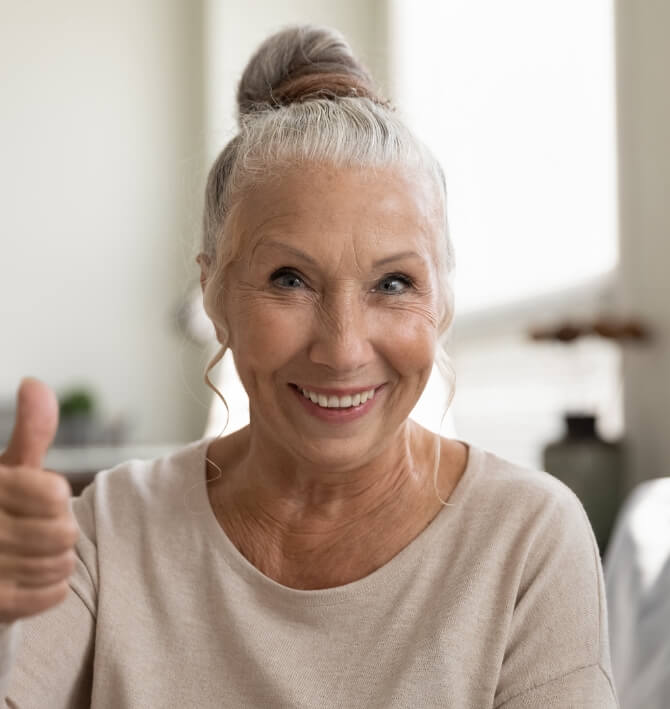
264 336
408 340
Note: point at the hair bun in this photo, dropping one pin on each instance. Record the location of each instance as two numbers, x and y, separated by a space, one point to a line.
300 63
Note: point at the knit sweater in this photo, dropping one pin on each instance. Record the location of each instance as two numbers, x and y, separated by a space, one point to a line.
498 602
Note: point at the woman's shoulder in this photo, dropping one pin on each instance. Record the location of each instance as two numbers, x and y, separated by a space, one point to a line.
507 478
517 497
147 473
540 539
140 488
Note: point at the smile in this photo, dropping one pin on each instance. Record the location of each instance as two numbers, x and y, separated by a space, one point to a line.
337 406
330 401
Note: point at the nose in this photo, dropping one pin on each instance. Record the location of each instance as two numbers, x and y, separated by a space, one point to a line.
342 335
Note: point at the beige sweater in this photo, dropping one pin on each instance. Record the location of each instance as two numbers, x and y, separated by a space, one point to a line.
497 603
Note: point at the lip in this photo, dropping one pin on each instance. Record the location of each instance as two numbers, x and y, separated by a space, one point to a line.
335 416
337 392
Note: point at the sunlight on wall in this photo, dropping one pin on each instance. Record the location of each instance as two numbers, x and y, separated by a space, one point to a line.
517 101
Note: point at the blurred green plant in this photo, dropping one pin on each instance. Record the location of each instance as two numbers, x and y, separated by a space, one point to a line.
76 402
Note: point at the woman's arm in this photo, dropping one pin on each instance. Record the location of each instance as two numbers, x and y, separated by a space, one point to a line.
586 687
557 651
9 638
52 657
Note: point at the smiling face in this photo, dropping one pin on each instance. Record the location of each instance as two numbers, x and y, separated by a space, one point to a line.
332 308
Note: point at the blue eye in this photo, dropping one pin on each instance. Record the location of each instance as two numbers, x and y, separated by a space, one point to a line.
287 278
394 283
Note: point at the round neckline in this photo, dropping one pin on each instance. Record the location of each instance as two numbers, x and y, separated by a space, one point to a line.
334 595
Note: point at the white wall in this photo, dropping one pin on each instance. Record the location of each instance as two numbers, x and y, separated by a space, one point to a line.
102 161
235 29
643 58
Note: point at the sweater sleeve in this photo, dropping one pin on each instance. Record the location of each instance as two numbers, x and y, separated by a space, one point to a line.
586 687
9 638
47 659
557 653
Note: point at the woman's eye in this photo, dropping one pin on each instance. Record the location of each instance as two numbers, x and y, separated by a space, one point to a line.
285 278
394 283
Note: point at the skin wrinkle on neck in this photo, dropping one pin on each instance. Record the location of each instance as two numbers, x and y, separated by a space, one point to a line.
308 549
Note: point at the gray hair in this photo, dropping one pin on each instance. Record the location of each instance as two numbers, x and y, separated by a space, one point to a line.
305 98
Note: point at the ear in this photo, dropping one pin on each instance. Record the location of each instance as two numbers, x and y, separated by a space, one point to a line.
205 263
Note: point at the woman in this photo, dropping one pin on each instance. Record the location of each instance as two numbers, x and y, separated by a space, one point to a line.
308 560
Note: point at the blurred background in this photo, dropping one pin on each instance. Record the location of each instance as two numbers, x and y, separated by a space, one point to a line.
551 119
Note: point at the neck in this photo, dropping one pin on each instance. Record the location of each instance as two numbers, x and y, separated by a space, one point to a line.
301 494
309 528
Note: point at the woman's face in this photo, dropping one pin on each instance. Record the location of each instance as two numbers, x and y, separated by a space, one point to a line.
332 308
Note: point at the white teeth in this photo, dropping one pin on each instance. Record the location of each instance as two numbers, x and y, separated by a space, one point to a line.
366 395
335 402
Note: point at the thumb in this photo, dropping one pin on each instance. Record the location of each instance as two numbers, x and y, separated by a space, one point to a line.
35 425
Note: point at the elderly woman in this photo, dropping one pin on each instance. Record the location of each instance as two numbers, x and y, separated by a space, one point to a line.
333 553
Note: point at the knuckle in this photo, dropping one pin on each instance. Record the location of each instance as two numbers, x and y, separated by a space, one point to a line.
73 532
7 472
57 494
68 534
37 537
63 589
10 606
9 534
70 562
46 567
9 478
34 491
29 567
60 489
57 593
17 602
63 571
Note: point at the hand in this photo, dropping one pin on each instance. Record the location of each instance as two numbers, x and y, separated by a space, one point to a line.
37 530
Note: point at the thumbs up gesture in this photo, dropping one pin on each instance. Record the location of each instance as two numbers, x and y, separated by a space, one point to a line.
37 529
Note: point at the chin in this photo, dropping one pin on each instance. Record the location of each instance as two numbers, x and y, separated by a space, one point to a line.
341 453
294 433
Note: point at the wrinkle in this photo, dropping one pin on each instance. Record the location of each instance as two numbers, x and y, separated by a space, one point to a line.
340 328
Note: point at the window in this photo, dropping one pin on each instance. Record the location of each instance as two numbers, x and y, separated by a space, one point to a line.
517 100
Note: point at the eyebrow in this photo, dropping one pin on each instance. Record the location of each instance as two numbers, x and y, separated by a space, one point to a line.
306 257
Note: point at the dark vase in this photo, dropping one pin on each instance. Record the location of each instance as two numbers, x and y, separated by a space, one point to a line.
592 468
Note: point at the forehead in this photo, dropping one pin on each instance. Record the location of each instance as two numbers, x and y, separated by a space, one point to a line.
323 209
